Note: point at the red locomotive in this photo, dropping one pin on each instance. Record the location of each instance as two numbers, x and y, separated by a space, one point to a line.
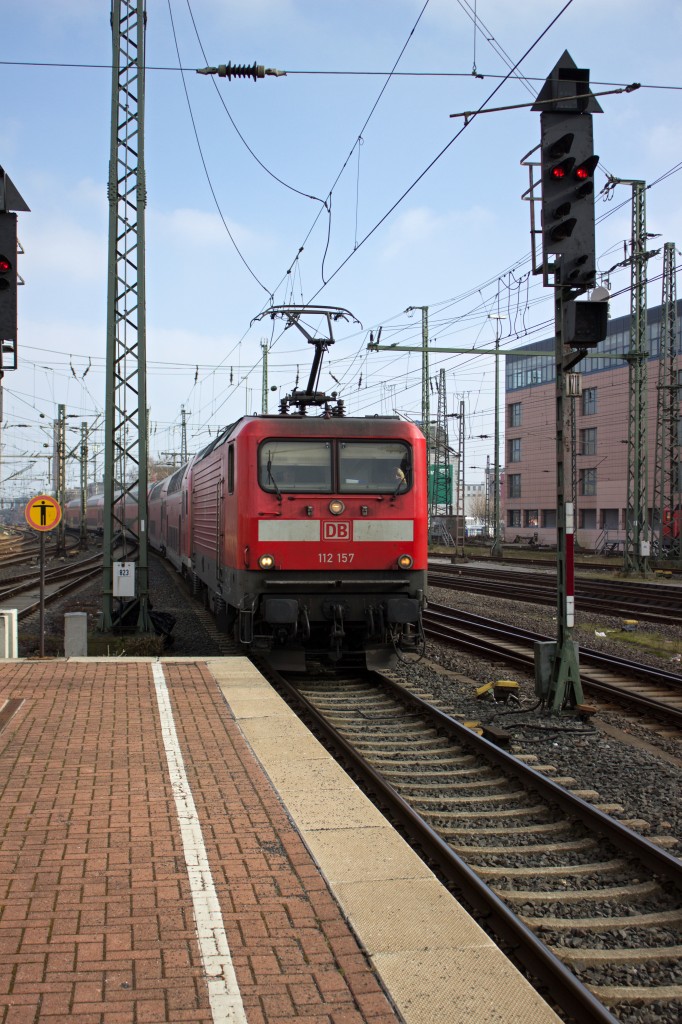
304 534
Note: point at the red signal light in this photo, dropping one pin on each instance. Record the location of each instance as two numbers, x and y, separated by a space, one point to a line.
586 169
560 171
5 265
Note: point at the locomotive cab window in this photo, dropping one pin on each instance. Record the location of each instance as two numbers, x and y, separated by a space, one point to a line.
290 466
381 467
230 469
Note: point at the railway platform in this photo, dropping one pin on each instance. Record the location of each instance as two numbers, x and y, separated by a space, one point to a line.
177 847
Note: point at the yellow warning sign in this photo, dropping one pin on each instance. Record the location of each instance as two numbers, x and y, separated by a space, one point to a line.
43 512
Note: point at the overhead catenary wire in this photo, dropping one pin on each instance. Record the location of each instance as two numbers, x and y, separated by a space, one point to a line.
442 152
296 262
221 98
350 73
203 161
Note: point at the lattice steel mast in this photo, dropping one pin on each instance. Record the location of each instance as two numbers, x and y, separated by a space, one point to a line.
636 555
125 475
666 472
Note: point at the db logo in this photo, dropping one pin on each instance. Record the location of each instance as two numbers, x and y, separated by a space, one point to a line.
336 530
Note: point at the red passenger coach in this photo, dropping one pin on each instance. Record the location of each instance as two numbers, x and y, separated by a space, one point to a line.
305 534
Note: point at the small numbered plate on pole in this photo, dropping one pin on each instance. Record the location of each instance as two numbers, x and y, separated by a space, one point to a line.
124 579
43 513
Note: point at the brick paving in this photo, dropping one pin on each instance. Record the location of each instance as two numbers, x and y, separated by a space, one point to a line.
96 919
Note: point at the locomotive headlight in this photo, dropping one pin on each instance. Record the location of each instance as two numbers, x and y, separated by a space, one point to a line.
405 561
336 507
266 561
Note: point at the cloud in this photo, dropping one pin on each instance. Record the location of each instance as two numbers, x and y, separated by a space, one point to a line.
60 250
421 228
663 141
199 229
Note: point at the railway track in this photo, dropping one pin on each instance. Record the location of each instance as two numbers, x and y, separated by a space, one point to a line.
592 909
653 602
24 591
651 689
613 565
18 547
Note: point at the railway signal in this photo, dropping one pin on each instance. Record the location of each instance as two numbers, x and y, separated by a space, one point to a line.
8 276
568 164
585 324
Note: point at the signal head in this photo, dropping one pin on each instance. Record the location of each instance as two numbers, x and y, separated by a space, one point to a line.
8 278
567 170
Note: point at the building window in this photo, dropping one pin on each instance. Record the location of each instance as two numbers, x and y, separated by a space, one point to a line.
588 518
514 515
514 446
514 414
590 402
549 518
514 485
588 481
609 519
588 441
531 517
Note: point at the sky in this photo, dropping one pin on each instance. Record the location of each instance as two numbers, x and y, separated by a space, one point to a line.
338 184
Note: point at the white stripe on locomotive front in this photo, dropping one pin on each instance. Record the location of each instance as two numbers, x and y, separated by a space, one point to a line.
383 529
309 530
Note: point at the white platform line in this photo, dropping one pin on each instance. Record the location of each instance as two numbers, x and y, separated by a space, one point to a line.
223 990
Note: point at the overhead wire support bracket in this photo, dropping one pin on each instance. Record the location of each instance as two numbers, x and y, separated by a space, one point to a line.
539 103
231 71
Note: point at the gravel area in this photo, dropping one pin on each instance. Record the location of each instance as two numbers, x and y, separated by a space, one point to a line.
646 782
190 636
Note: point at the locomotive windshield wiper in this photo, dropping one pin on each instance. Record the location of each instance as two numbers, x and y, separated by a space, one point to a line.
272 479
400 477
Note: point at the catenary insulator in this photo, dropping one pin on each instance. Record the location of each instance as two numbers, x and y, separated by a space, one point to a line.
231 71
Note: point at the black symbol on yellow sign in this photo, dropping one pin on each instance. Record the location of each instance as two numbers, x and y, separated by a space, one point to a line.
43 513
